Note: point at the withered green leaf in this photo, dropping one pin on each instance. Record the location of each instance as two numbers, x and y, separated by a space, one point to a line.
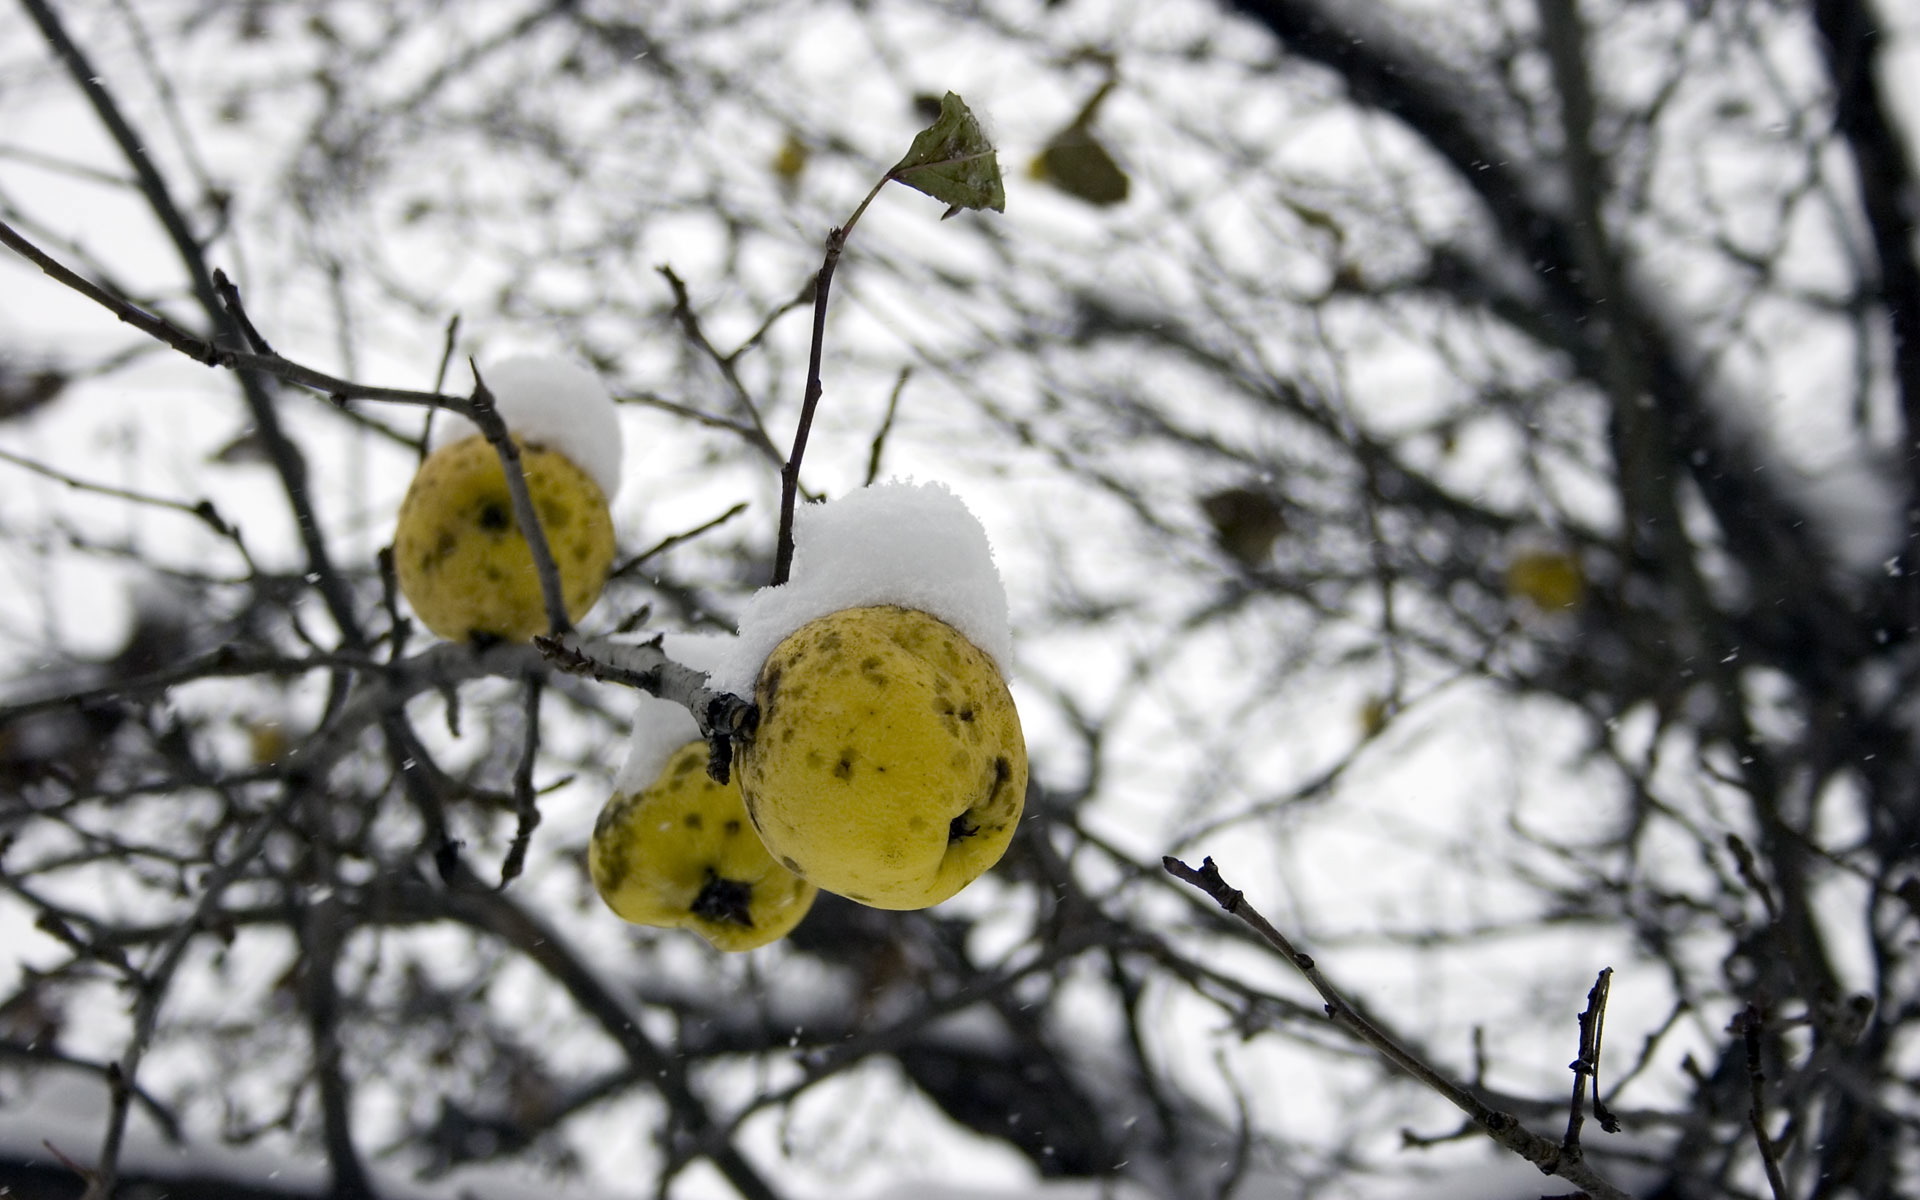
952 160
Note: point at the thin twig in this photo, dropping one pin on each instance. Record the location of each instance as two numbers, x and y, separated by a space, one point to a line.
400 628
1504 1128
525 804
89 1177
230 298
1598 1006
1750 875
196 348
1236 1164
207 353
687 411
725 363
202 510
800 299
1586 1068
440 381
321 929
40 1052
1748 1023
494 429
886 425
790 473
226 661
670 541
54 163
153 991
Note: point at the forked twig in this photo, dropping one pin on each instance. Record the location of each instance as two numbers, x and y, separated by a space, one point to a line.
1504 1128
1586 1067
1748 1023
525 803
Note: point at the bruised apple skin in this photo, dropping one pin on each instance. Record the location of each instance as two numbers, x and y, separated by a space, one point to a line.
462 561
888 765
682 855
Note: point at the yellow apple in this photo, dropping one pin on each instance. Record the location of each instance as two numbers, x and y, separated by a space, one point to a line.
888 765
681 854
1551 580
460 556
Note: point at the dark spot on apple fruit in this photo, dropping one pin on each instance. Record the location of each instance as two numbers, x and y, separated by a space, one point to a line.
724 900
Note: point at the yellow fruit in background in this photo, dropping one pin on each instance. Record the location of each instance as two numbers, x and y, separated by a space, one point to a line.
267 741
459 554
682 855
1551 580
888 765
1375 712
791 160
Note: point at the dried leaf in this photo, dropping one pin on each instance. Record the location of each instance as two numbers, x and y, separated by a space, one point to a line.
1076 163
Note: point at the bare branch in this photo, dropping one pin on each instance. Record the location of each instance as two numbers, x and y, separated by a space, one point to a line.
721 716
727 364
526 805
483 414
1747 1023
1502 1127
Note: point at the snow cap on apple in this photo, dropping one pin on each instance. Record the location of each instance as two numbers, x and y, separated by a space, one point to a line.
913 545
551 402
459 553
